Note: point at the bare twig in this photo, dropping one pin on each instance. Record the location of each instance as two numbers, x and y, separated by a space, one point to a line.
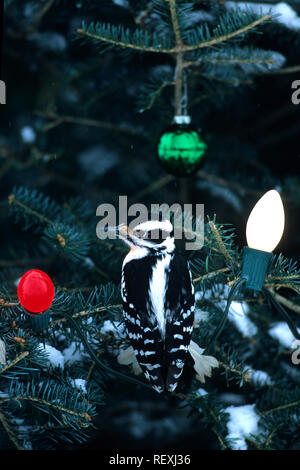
286 70
58 120
228 184
153 187
4 304
42 12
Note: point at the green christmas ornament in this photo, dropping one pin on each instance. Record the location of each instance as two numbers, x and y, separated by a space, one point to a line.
181 149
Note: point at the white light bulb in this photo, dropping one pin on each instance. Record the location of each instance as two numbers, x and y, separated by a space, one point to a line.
265 224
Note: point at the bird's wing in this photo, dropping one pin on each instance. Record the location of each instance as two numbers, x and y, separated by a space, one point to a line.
142 329
180 318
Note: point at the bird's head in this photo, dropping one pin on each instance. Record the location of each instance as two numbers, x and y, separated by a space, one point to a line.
153 235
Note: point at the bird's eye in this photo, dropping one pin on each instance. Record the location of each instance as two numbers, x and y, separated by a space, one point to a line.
140 233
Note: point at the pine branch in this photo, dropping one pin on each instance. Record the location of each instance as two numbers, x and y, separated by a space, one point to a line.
270 437
59 231
24 262
84 313
10 432
49 404
232 55
118 36
243 375
228 29
210 275
50 395
175 23
14 362
13 200
281 407
140 41
222 247
221 439
212 414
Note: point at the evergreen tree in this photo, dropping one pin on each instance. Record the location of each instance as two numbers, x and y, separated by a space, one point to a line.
91 85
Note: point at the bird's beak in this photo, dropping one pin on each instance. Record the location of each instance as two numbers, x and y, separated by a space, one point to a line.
120 231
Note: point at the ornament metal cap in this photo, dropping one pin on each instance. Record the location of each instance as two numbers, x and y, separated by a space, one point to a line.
254 267
182 119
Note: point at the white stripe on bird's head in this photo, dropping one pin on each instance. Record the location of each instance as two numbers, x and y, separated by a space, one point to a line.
155 225
154 235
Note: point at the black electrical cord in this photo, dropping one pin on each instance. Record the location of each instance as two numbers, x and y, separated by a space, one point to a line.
110 372
281 310
268 295
234 289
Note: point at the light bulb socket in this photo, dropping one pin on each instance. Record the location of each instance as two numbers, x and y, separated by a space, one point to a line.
254 267
39 321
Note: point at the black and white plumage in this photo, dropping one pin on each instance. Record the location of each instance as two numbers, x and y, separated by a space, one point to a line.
158 302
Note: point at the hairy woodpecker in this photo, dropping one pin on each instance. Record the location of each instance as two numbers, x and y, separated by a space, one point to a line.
158 301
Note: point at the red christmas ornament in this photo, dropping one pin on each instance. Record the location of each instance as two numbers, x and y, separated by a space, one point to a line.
36 291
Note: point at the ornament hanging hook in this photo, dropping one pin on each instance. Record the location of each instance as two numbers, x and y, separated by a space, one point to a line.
181 95
184 97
